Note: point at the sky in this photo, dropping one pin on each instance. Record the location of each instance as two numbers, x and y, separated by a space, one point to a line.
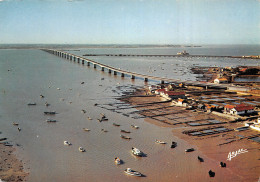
130 21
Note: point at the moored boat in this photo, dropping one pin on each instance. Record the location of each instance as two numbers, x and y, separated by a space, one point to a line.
137 152
81 149
15 124
189 150
116 124
124 131
66 143
174 144
160 142
125 137
131 172
86 129
31 104
51 120
118 161
134 126
50 112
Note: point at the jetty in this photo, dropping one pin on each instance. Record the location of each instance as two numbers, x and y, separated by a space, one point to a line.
133 75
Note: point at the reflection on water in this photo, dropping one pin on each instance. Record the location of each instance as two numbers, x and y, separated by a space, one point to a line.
33 73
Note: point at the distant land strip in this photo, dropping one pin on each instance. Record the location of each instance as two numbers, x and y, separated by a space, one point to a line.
159 55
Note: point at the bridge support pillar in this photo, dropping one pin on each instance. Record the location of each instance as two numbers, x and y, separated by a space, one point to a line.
78 60
146 79
88 63
133 77
82 61
95 66
162 81
122 75
102 68
115 73
109 71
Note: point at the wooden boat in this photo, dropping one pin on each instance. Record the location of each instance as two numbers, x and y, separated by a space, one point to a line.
118 161
137 152
189 150
51 120
83 111
66 143
104 130
211 173
131 172
2 139
116 124
86 129
124 131
160 142
125 137
222 164
47 104
50 112
81 149
135 127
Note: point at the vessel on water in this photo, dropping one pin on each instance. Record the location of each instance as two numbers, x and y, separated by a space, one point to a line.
118 161
189 150
131 172
124 131
137 152
66 143
81 149
160 142
125 137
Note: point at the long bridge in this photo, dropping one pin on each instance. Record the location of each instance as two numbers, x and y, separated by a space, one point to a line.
133 75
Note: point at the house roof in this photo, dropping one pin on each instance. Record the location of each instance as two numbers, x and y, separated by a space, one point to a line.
243 69
229 106
172 93
180 100
222 79
243 107
160 90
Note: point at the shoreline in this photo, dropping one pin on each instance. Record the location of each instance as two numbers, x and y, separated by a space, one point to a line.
214 148
11 168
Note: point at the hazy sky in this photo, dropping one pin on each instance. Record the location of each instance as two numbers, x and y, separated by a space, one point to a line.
130 21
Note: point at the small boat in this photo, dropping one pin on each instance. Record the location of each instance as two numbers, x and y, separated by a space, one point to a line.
174 144
31 104
47 104
125 137
200 159
83 111
211 173
15 124
51 120
41 96
116 124
134 126
222 164
160 142
67 143
124 131
118 161
131 172
136 151
89 118
50 112
86 129
81 149
19 129
104 130
189 150
2 139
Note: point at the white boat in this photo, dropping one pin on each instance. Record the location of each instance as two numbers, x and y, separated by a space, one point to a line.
86 129
136 151
118 161
160 142
67 143
81 149
134 126
51 120
131 172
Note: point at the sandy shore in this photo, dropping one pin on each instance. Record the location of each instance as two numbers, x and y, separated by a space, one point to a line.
11 169
213 148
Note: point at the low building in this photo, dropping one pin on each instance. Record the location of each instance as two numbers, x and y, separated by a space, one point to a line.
159 91
182 102
228 107
173 95
220 80
242 109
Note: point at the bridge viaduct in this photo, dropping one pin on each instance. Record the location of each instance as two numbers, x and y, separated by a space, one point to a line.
133 75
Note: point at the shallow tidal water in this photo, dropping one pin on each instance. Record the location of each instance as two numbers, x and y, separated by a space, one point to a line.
27 74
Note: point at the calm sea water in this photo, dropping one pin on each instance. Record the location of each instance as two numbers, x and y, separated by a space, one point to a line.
26 74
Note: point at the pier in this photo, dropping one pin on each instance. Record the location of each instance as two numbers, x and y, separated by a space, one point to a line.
132 75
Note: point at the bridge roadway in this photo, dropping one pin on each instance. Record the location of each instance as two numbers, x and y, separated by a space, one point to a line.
133 75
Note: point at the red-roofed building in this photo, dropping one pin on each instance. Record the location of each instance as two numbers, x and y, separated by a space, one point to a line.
159 91
227 108
242 109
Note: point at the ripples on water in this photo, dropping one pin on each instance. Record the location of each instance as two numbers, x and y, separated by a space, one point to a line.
34 72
